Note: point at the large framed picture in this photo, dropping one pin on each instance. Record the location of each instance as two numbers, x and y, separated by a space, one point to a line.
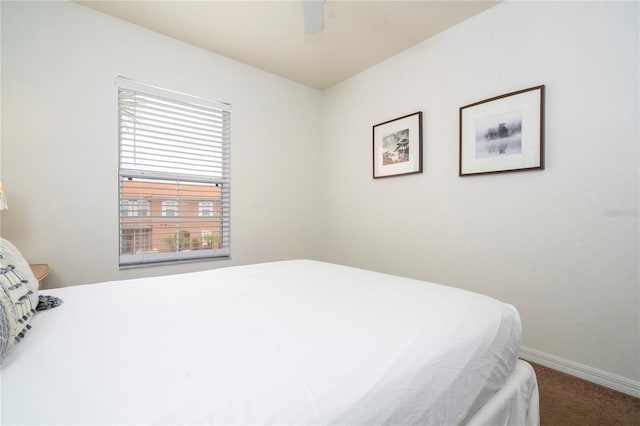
503 134
397 146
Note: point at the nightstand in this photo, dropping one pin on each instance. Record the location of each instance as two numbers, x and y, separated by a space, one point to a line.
40 271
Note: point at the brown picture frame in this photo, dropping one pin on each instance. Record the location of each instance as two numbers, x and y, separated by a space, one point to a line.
503 134
397 146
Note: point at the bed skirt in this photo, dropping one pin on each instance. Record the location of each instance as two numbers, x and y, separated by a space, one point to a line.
515 404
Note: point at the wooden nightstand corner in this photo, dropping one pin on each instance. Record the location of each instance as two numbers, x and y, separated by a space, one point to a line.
40 271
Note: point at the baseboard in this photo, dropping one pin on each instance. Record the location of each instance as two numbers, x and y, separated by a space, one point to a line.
613 381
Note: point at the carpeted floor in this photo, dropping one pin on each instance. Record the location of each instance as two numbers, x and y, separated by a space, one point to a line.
567 401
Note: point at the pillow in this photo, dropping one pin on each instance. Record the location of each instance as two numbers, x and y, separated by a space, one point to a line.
15 258
18 296
16 304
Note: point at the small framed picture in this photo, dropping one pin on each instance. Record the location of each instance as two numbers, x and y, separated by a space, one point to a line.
503 134
397 146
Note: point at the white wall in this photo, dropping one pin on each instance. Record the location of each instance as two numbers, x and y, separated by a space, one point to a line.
560 244
60 140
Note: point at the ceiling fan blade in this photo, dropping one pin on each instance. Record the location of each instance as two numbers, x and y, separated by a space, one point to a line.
313 16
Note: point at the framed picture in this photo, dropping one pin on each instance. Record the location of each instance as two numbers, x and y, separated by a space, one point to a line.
397 146
503 134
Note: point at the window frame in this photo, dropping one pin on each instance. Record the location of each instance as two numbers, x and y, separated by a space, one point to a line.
221 180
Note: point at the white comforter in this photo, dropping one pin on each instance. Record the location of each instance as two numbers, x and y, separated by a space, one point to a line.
294 342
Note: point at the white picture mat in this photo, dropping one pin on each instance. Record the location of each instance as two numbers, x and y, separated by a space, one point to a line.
412 123
529 102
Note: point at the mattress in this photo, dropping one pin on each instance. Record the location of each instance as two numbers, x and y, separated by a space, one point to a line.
292 342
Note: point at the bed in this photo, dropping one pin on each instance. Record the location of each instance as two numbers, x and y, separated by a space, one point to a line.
293 342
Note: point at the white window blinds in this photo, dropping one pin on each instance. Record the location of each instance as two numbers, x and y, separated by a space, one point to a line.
174 159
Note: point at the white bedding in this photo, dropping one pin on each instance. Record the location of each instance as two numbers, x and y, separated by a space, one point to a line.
294 342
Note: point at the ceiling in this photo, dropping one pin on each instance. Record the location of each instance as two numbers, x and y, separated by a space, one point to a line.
270 35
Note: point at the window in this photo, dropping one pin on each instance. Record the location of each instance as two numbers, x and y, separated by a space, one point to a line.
126 208
170 208
142 208
136 240
134 208
174 184
205 208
